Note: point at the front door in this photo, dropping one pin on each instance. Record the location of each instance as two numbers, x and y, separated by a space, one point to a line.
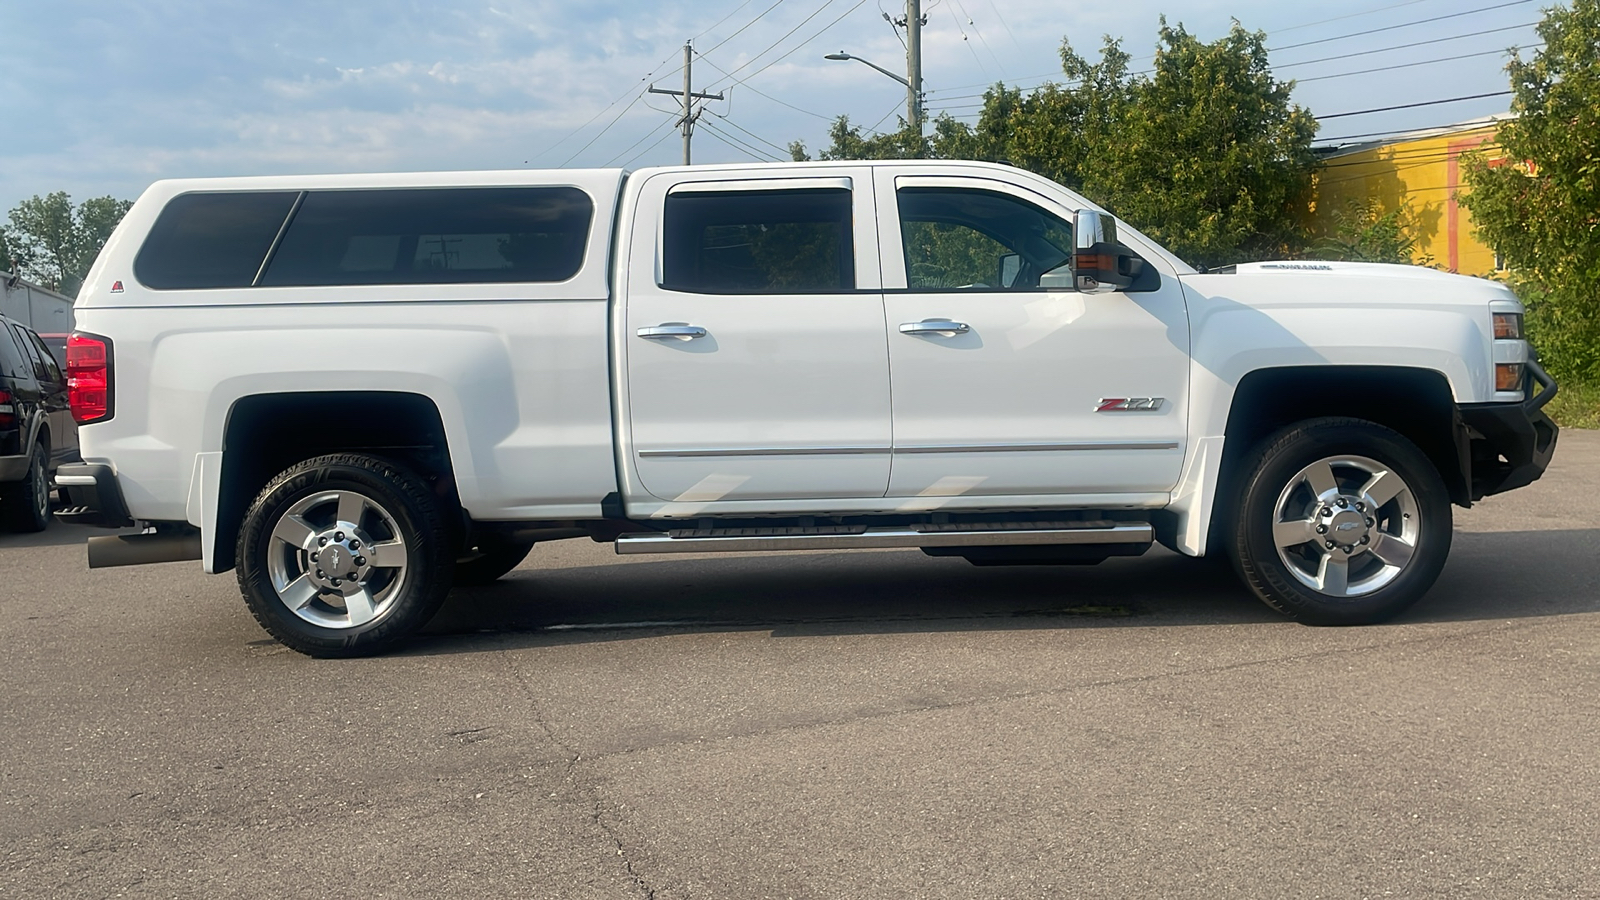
1003 388
754 341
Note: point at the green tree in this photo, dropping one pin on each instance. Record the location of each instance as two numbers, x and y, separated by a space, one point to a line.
1542 212
1206 153
1365 232
54 243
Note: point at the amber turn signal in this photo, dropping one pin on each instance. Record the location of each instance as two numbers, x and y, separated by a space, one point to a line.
1508 376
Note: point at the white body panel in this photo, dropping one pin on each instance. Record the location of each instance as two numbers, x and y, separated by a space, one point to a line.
791 405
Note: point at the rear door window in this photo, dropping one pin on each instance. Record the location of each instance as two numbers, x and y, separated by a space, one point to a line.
13 362
434 236
794 241
212 240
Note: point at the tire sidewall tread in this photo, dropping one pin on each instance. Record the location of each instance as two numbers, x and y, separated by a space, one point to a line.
1266 471
406 497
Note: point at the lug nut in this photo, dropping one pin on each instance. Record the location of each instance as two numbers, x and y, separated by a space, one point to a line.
1370 523
1327 511
1322 529
322 542
355 545
1361 507
361 560
338 535
1330 545
320 575
1366 539
1342 502
335 582
1346 550
313 556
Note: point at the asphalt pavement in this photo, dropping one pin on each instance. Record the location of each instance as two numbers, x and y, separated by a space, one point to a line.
873 724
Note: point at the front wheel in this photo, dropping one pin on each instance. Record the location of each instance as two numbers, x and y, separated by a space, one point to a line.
344 555
1340 522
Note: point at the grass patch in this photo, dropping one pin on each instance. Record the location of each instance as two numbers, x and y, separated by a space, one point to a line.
1576 406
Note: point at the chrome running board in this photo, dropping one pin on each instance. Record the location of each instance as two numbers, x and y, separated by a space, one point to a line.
744 540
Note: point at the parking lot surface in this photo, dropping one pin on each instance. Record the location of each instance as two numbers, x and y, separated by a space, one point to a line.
827 725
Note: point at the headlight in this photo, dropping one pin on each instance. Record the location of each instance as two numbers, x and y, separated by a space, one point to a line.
1508 326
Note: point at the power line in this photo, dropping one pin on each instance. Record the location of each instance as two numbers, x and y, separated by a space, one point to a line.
758 91
1346 137
729 122
1455 15
1454 37
796 47
668 126
1363 112
744 26
1425 62
1349 16
727 143
774 44
1048 75
574 132
726 18
648 149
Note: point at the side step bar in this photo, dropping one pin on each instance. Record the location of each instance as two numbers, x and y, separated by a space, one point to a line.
736 540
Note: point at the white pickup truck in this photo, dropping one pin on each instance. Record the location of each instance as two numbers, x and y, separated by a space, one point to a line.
359 390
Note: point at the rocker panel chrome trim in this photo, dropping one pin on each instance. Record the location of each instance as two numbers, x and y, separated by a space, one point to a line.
884 538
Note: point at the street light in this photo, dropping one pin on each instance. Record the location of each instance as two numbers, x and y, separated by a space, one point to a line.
913 96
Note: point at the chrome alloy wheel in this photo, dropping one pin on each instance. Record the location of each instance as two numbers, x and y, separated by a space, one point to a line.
1346 526
41 484
336 559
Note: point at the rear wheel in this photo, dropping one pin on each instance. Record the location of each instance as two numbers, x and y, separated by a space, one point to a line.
344 555
1340 522
27 503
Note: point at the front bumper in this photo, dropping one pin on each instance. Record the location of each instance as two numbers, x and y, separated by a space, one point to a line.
93 497
1510 443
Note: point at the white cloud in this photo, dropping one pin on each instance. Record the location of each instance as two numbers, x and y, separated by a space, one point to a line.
169 88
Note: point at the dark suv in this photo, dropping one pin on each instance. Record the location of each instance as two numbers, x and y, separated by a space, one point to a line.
37 432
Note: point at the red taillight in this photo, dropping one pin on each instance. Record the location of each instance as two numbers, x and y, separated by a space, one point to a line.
89 377
8 410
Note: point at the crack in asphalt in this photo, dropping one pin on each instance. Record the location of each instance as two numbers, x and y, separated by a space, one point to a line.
597 810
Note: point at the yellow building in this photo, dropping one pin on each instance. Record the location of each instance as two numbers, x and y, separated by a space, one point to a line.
1422 170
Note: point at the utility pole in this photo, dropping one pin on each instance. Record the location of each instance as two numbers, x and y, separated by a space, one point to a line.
914 64
687 96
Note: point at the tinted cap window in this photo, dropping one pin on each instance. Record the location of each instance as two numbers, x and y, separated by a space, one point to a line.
212 240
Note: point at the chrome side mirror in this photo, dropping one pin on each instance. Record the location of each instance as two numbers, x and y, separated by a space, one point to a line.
1099 264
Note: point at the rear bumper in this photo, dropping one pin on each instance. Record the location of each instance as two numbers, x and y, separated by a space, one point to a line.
93 497
1511 443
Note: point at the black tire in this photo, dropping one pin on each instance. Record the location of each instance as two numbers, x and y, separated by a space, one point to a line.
27 503
1388 567
488 562
400 521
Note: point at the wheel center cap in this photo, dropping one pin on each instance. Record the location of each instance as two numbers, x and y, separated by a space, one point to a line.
337 561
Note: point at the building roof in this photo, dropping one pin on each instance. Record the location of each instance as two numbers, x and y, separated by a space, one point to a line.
1332 151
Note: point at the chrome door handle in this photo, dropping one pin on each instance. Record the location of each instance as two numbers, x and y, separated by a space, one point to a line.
683 331
940 327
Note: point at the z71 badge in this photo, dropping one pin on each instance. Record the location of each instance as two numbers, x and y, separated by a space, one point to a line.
1130 404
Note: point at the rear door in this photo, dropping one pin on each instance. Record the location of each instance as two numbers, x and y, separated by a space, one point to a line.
53 393
753 341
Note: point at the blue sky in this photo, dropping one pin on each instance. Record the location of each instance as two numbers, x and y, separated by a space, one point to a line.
105 97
